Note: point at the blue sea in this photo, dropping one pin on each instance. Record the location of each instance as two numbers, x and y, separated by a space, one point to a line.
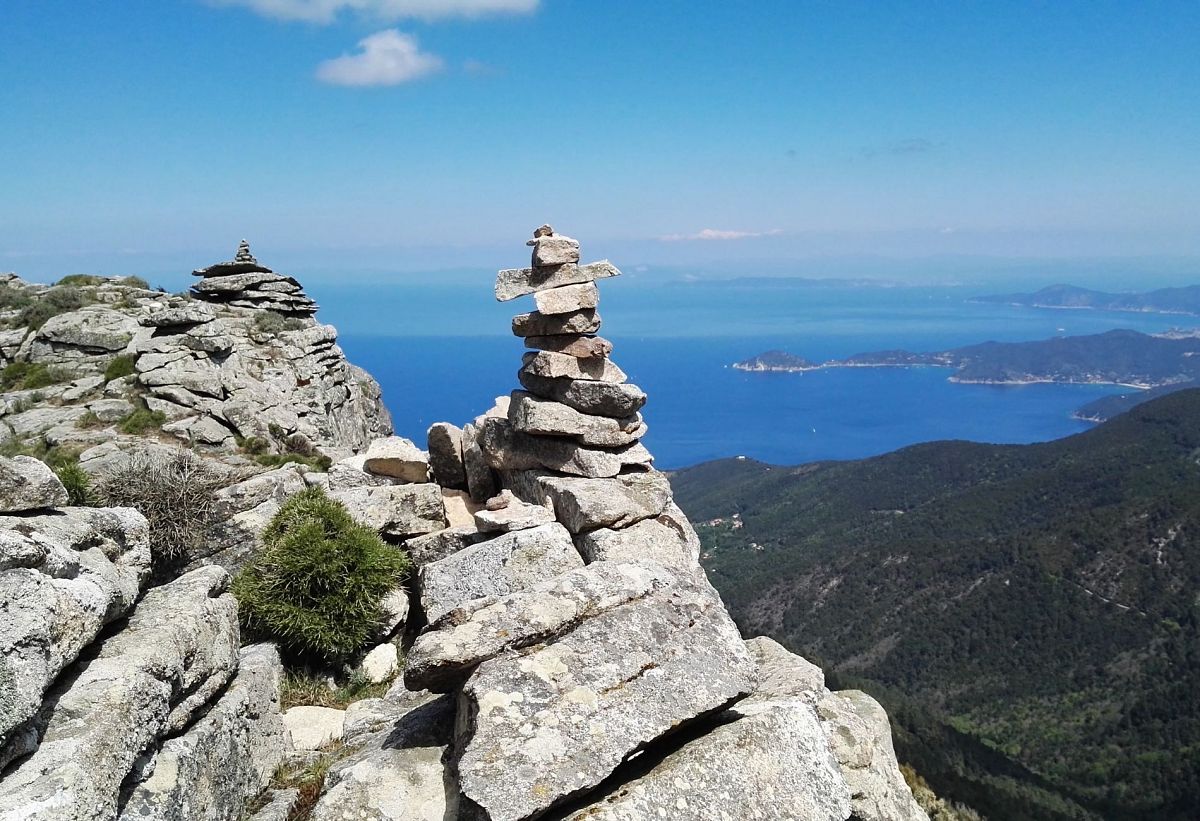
443 352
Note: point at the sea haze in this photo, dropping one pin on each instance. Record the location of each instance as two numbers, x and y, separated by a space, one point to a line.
453 354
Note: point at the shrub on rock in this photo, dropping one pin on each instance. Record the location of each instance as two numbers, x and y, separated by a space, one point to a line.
120 366
175 492
317 585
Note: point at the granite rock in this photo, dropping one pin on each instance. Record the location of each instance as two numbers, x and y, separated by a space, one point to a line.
446 456
538 324
584 347
397 458
586 396
552 365
28 484
515 282
567 299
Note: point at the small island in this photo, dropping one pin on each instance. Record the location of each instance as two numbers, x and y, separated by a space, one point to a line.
780 361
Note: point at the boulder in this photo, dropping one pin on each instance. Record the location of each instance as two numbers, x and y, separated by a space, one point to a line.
93 329
539 324
223 760
481 482
567 299
446 456
483 628
28 484
399 773
396 510
110 410
782 674
507 449
510 514
380 663
549 723
773 763
178 649
398 458
350 472
311 728
584 347
460 507
514 282
502 565
393 608
586 396
861 739
668 539
552 365
63 577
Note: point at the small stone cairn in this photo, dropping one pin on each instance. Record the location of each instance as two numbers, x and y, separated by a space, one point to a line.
243 283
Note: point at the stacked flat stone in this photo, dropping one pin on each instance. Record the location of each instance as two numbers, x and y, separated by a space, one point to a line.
244 283
577 415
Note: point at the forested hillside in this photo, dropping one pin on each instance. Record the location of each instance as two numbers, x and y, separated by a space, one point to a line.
1028 614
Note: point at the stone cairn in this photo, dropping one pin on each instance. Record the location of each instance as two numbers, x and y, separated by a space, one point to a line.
243 283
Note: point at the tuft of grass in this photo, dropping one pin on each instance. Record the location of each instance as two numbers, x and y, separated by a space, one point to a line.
303 688
320 463
273 324
308 779
78 484
89 420
141 420
316 586
60 299
120 366
134 282
21 376
80 279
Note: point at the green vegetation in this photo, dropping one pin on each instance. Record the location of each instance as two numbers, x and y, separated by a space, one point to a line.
23 376
80 279
77 483
134 282
120 366
60 299
89 420
14 299
1027 614
316 586
176 492
141 420
308 777
294 449
273 324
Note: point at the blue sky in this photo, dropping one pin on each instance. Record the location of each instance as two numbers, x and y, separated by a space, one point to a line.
150 135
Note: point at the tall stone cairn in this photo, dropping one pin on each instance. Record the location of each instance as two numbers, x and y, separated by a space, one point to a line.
243 283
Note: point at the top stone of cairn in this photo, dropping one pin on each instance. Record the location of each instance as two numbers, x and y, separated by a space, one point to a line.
555 263
243 262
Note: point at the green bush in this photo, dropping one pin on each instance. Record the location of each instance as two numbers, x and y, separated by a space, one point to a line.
120 366
22 376
273 324
141 420
89 420
134 282
316 586
60 299
319 462
14 298
80 279
175 491
254 445
77 483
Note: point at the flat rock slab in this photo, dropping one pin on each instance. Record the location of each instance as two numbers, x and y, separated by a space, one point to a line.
584 347
539 324
587 504
483 628
773 764
507 449
567 299
783 674
562 366
529 414
28 484
397 458
514 282
542 725
586 396
446 455
438 545
396 510
667 538
514 561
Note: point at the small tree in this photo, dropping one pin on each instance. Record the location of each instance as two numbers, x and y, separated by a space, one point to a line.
175 491
316 586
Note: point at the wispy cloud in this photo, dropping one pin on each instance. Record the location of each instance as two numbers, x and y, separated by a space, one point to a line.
386 58
324 12
718 234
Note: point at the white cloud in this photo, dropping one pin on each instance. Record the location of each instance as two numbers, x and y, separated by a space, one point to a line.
327 11
386 58
718 234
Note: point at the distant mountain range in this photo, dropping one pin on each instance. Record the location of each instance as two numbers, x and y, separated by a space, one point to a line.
1185 300
1027 613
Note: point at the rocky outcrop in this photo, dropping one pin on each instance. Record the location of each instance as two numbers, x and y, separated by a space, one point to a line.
239 360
